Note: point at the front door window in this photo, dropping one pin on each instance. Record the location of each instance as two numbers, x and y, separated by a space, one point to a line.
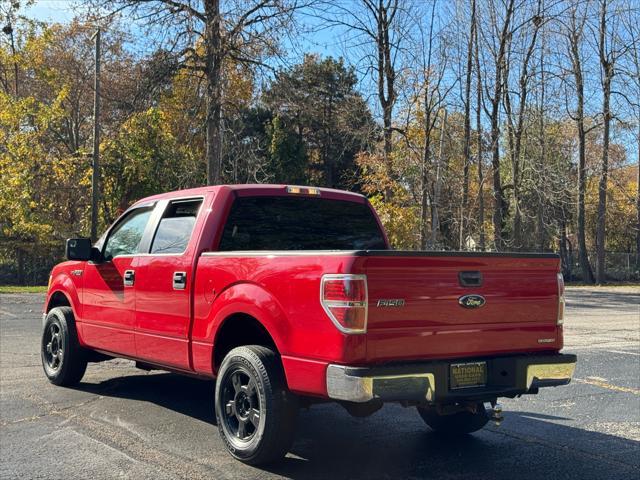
125 238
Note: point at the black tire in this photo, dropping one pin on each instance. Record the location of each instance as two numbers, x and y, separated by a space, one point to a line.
63 359
255 412
455 424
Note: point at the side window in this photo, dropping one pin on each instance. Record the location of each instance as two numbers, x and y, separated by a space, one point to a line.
176 225
126 236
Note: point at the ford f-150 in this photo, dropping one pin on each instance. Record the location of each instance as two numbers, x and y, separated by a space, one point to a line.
291 295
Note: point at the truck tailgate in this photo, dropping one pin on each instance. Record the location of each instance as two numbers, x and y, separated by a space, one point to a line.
415 311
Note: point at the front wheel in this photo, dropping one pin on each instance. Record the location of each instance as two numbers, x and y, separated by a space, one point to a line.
255 412
459 423
63 359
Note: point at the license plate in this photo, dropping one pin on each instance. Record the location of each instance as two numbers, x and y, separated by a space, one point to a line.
467 375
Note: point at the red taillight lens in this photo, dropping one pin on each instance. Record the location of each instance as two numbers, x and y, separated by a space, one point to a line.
345 290
344 298
561 301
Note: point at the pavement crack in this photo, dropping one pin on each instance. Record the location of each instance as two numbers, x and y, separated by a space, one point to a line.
27 419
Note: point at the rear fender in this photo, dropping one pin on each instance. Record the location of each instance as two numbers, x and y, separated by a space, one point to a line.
255 301
241 298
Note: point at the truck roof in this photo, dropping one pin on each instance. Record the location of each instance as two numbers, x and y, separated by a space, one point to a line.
256 189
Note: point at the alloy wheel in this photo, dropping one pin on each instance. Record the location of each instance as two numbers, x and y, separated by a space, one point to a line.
53 343
241 405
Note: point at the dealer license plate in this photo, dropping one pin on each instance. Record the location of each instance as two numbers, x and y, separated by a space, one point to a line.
467 375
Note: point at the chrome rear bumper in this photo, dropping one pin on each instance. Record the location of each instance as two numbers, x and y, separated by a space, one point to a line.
429 381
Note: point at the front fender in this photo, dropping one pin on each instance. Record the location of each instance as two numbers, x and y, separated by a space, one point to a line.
66 280
63 284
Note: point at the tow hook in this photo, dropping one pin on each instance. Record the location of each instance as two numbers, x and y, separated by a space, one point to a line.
495 414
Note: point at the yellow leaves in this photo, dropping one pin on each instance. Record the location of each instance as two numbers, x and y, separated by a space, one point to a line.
24 118
400 222
375 173
28 169
621 209
400 216
239 84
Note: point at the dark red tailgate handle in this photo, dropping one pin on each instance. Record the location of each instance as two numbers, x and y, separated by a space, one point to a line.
470 278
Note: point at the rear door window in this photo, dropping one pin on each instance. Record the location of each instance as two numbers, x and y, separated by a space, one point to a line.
300 223
175 227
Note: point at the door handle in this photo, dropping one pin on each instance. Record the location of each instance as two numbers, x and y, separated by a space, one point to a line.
129 278
179 280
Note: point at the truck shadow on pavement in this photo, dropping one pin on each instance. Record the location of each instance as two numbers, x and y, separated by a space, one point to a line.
185 395
394 442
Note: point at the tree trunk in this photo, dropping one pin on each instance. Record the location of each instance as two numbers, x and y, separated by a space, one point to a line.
585 266
426 153
602 185
435 204
498 194
541 186
574 45
386 86
424 194
515 169
518 131
500 204
387 137
481 240
607 65
467 130
542 160
213 68
564 252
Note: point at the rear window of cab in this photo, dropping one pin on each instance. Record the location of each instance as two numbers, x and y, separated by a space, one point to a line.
300 223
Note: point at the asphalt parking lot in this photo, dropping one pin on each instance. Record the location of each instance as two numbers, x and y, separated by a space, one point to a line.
121 422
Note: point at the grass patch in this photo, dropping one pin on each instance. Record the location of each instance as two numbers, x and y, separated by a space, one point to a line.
19 289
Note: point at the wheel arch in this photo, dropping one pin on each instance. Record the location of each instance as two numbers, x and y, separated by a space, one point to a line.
58 299
236 330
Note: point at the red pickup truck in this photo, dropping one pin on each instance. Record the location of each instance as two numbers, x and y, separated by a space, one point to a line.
291 295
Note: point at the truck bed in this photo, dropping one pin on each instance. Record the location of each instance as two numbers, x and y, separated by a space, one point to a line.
519 316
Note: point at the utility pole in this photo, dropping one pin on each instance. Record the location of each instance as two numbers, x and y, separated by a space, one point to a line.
95 175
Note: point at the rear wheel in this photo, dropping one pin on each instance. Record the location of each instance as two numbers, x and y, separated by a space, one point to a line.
255 412
459 423
63 359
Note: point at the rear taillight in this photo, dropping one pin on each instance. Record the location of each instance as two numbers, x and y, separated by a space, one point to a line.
344 298
560 299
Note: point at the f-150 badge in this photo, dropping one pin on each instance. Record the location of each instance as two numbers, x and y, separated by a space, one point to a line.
471 301
390 302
